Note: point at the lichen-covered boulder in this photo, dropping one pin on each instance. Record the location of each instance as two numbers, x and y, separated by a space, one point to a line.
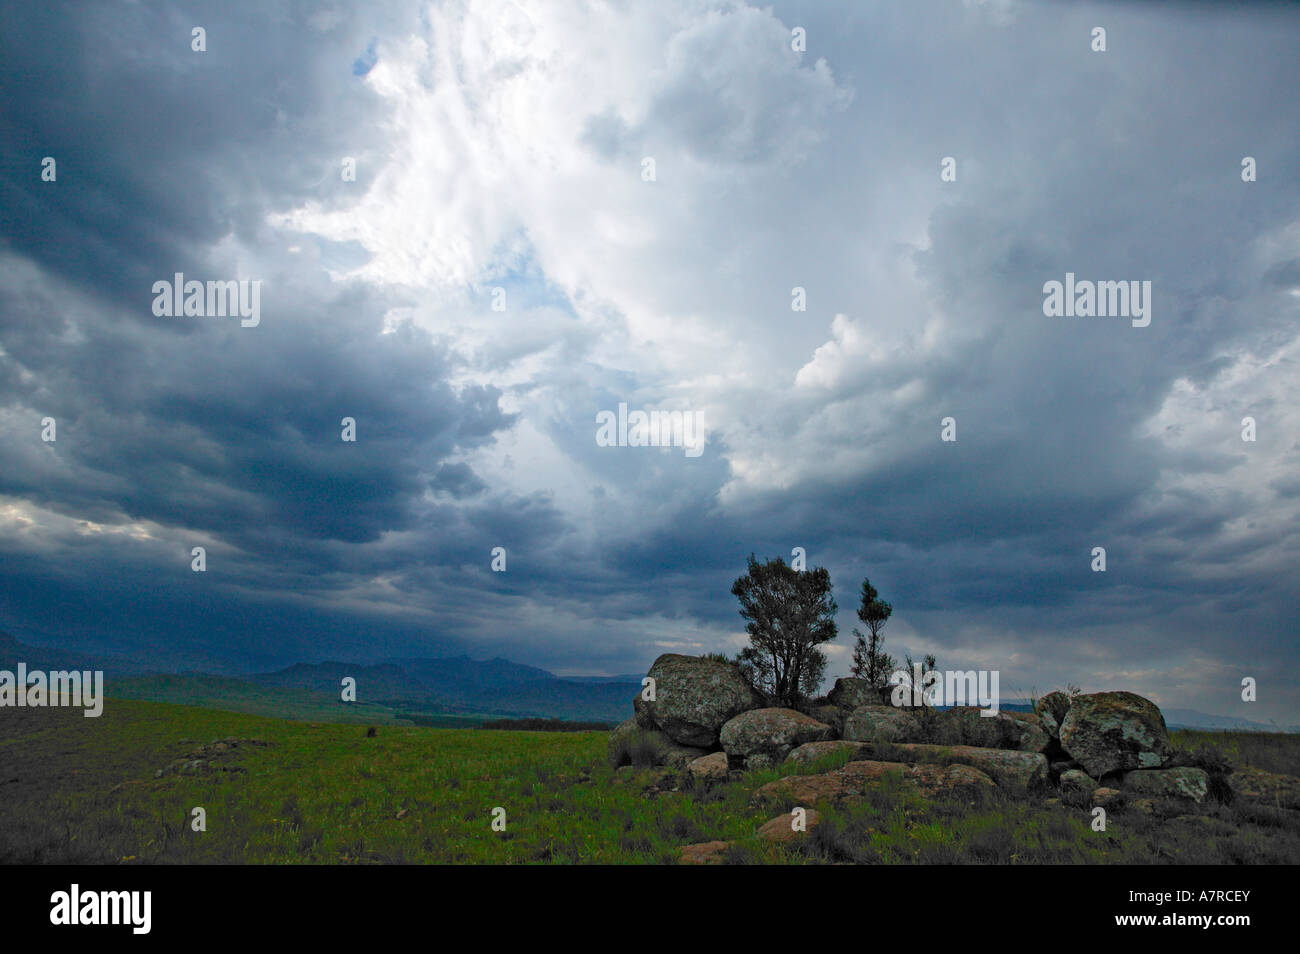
1051 710
854 780
764 737
1008 767
1033 737
1180 787
812 751
695 697
1115 731
873 723
642 714
967 725
709 768
850 693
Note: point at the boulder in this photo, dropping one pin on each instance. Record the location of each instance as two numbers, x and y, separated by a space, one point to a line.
872 723
704 853
966 725
709 768
642 714
764 737
854 780
695 697
1115 731
630 744
1077 787
986 732
1051 710
850 693
1008 767
1168 788
1033 736
781 829
812 751
679 756
1265 788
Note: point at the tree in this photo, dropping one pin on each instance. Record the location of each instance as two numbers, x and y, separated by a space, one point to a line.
870 662
790 613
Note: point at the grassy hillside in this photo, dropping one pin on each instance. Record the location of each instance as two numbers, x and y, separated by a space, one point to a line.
236 695
87 790
461 684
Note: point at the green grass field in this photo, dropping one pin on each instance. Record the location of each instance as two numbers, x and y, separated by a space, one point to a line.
303 705
77 790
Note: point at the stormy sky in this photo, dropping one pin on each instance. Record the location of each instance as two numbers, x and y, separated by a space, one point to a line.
506 265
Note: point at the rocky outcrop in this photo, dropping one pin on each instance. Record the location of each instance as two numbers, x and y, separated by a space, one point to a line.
812 751
1184 787
695 697
1008 767
856 779
1114 731
216 756
1108 749
763 737
874 723
967 725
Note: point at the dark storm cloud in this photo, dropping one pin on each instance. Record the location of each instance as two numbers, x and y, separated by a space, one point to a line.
232 434
176 432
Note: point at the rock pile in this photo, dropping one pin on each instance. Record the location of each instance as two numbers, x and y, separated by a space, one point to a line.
1106 748
215 756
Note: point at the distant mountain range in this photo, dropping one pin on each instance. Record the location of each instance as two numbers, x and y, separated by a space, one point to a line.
461 685
453 690
418 689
